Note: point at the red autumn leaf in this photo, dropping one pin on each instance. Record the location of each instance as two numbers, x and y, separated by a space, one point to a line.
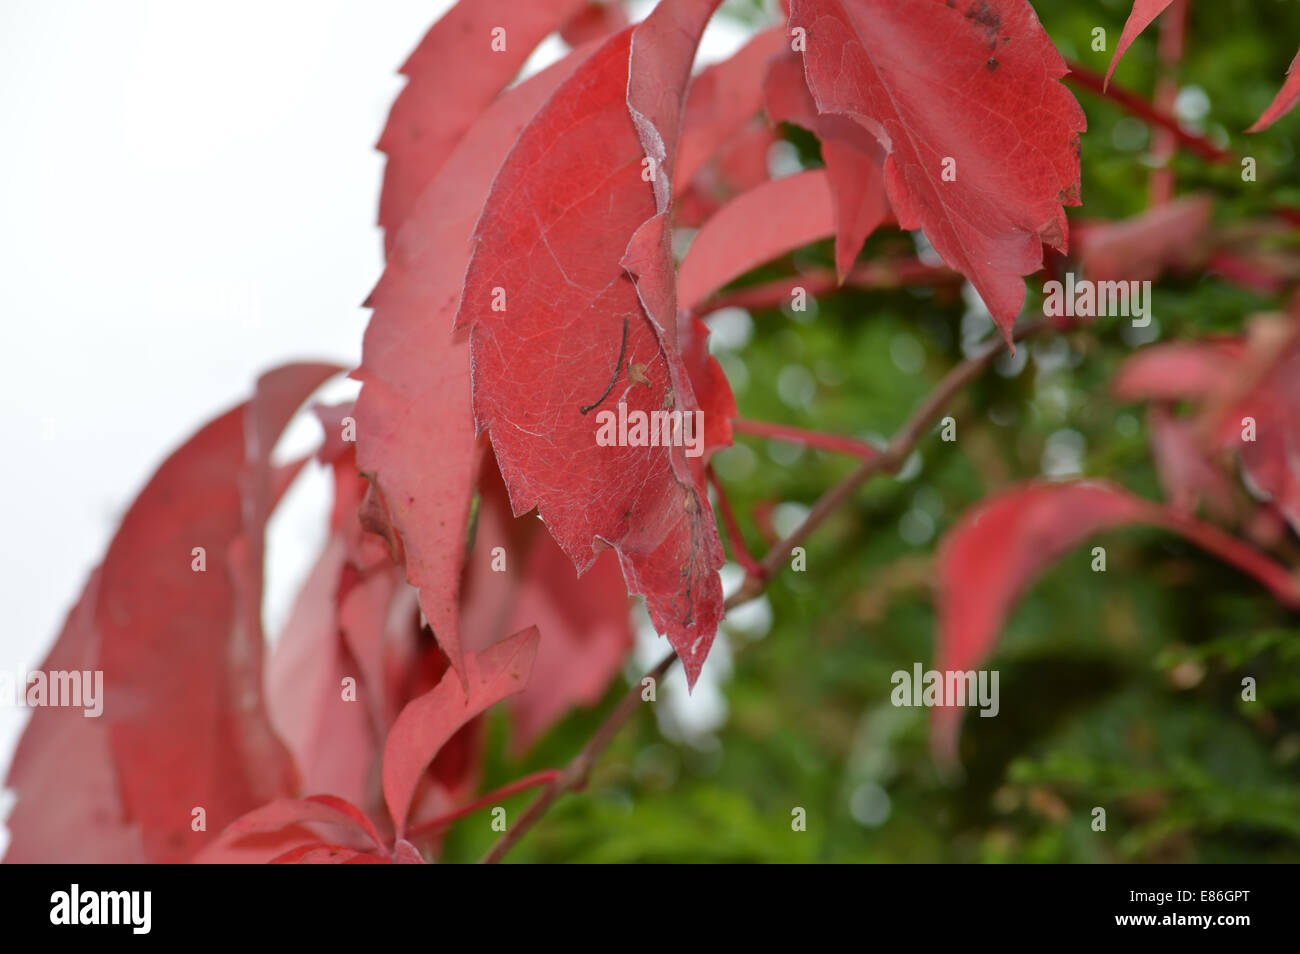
1187 474
982 143
405 853
180 652
1284 101
332 742
427 723
596 20
998 548
737 167
1248 389
68 808
1139 18
1178 370
342 818
1140 249
854 159
710 383
1264 427
335 742
319 853
452 76
722 101
762 224
356 618
415 430
564 321
882 273
1262 271
517 576
992 555
290 831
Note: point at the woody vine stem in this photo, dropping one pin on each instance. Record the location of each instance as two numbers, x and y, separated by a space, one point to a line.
574 775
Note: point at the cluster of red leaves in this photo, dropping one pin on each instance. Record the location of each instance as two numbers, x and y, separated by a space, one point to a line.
531 279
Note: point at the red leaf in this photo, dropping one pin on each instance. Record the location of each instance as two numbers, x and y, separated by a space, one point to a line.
1271 462
991 556
453 75
1187 474
714 391
1139 18
1141 248
68 809
762 224
1284 101
342 818
319 853
176 648
345 807
181 650
355 618
722 101
987 98
596 20
997 549
428 722
332 741
1178 370
738 166
584 622
550 252
406 853
854 160
415 432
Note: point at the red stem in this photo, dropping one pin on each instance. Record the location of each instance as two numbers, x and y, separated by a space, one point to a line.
1173 28
734 536
895 273
1277 578
544 777
806 438
1080 75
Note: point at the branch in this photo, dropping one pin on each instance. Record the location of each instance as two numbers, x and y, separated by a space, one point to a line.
889 460
1082 76
806 438
895 273
1173 33
505 791
738 548
575 773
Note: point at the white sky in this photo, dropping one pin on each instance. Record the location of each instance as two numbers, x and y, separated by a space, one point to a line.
187 198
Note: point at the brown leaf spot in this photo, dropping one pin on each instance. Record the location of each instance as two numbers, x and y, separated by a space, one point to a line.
987 18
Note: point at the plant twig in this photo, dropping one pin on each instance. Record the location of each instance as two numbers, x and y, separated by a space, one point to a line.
889 460
806 438
1080 75
574 775
1173 30
738 548
505 791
